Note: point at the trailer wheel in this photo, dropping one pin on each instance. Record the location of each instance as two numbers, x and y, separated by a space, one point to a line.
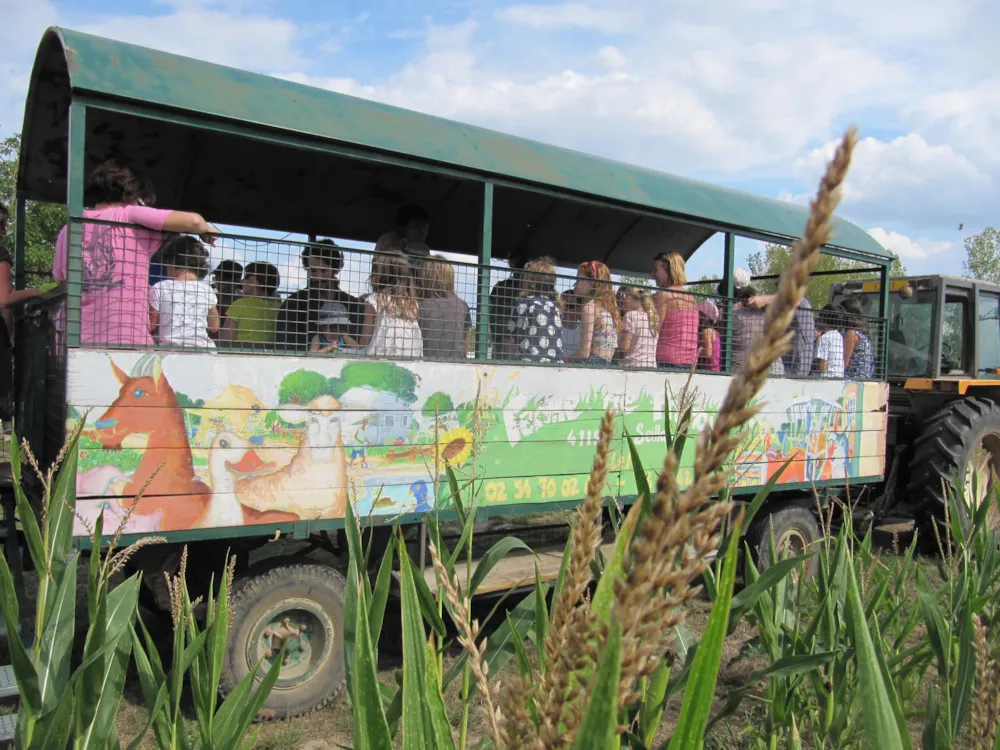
795 533
302 606
959 442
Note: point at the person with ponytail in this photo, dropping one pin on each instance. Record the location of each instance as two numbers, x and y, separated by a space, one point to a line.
677 344
600 319
640 328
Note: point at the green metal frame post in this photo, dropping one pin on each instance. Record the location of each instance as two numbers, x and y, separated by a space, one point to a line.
20 212
485 260
883 314
727 280
74 206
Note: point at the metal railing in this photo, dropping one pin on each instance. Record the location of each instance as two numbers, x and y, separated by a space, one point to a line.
135 288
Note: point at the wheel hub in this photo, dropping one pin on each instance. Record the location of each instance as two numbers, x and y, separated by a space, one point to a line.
307 635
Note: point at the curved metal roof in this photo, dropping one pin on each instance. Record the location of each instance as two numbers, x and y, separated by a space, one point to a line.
70 61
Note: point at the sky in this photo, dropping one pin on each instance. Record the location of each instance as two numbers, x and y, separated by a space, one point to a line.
753 94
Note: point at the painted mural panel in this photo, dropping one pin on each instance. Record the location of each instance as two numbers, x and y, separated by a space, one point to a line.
214 441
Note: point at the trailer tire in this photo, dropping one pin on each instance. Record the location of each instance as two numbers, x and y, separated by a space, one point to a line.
269 605
796 532
965 434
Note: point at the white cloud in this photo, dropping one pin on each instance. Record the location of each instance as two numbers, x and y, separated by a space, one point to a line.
612 19
906 180
611 57
255 41
970 116
908 249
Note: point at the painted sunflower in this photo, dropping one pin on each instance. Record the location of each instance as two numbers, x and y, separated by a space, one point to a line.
456 446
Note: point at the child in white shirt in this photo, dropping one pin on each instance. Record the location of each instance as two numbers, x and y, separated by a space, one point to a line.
183 308
829 358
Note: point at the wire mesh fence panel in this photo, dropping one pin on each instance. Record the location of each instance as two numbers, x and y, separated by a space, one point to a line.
136 287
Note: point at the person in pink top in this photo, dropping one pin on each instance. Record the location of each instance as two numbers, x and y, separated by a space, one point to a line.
677 345
114 302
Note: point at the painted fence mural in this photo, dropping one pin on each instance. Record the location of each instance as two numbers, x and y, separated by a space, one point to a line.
222 441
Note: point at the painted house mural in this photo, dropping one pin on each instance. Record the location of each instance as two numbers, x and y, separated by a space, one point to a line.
215 443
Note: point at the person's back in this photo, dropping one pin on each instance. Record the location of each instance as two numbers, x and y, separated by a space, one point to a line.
748 324
444 325
115 272
255 319
183 306
677 344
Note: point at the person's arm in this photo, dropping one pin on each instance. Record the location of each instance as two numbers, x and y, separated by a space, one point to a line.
213 319
760 301
367 326
706 343
154 313
154 324
821 360
350 341
850 342
229 329
586 332
661 304
315 346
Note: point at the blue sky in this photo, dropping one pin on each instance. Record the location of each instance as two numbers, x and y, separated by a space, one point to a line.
747 93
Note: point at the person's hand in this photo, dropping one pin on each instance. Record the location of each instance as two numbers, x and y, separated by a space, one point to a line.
759 301
209 236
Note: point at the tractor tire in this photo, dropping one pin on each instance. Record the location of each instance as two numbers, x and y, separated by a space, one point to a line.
301 604
958 442
796 532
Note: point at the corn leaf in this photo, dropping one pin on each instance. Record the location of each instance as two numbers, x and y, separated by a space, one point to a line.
94 734
25 512
597 730
53 730
697 704
746 600
641 480
491 557
880 722
439 725
604 595
651 711
380 594
371 730
57 642
541 628
60 514
966 679
414 669
246 712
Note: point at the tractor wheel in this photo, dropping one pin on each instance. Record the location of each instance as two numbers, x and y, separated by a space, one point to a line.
300 606
796 532
959 447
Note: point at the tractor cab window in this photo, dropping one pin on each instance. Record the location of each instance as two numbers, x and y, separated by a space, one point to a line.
988 334
911 322
953 325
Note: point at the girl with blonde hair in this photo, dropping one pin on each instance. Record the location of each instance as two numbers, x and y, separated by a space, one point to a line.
391 327
535 328
444 316
600 321
640 328
677 344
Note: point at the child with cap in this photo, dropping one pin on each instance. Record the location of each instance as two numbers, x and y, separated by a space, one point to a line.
334 334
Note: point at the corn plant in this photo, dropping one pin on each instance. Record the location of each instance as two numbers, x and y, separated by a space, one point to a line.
61 706
198 654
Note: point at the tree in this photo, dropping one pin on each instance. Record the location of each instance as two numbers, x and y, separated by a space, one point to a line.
438 404
774 259
381 376
43 220
302 386
983 255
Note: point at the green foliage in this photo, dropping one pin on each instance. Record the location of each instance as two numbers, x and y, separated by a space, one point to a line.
983 255
774 259
43 220
60 706
437 404
93 454
198 654
301 386
381 376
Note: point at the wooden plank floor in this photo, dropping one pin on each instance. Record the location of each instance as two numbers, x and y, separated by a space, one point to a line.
513 570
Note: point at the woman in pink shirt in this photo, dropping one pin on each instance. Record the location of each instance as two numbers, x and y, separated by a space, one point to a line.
677 345
114 302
